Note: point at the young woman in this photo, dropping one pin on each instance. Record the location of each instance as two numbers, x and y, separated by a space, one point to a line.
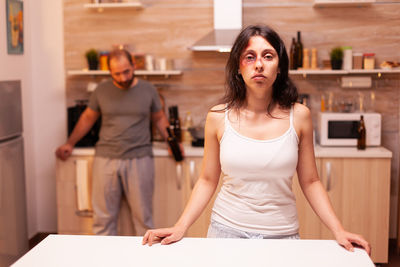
256 141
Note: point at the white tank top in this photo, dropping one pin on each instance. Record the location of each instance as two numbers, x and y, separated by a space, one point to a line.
256 194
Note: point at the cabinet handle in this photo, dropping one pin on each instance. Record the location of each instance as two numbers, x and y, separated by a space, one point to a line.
179 176
328 176
84 213
192 168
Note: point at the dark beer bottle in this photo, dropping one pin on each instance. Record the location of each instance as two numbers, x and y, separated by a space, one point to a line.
299 51
292 55
174 146
361 140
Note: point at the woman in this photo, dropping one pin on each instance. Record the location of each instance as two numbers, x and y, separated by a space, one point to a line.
257 140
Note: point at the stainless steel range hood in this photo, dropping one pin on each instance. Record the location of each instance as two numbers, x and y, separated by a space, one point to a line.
227 25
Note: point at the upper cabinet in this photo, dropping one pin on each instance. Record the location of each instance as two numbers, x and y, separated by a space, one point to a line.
342 3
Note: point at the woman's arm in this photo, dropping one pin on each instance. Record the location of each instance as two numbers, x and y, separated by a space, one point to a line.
202 191
312 186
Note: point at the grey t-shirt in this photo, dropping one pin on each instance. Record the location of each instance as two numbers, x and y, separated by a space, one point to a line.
125 125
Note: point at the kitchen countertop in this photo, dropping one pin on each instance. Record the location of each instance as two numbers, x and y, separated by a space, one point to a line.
80 250
160 150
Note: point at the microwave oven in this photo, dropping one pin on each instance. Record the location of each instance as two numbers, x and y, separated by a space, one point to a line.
340 129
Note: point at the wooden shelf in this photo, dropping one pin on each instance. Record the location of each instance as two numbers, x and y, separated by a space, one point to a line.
165 73
343 72
100 6
342 3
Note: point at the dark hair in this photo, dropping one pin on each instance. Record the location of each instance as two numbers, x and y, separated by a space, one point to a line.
118 53
284 91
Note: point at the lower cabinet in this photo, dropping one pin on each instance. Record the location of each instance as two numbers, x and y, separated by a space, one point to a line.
359 189
71 220
174 183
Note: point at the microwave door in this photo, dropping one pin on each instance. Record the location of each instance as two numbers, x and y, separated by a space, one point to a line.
342 129
341 133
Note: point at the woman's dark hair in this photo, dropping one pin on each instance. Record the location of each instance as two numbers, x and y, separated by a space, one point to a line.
284 91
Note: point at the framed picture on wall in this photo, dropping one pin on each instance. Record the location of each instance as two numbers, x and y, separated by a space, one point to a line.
15 29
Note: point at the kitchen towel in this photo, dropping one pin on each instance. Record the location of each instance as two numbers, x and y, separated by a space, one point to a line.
82 185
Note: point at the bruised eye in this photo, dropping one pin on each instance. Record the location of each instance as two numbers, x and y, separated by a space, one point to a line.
249 58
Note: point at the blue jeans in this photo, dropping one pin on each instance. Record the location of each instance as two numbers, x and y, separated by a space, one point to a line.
218 230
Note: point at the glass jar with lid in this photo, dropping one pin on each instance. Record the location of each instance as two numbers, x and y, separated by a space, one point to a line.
369 61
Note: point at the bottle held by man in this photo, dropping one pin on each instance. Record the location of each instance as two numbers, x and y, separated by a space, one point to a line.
174 146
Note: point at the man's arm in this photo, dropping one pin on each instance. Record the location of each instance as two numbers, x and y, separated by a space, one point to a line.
85 123
160 120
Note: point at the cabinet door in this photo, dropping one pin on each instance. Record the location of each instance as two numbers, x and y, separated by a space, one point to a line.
169 192
310 225
193 168
360 193
359 190
69 219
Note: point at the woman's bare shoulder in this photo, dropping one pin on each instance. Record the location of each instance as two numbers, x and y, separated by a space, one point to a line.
217 112
301 112
215 116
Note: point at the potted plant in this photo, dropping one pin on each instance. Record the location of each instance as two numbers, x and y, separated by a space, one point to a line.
92 58
336 56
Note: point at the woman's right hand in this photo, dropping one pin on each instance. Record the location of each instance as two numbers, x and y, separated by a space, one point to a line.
164 236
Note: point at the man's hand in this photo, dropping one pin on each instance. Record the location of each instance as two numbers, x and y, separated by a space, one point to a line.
64 151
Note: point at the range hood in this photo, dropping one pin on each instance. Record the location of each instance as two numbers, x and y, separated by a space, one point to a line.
227 25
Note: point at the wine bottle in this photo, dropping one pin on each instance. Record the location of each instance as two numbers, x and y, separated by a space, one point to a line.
174 146
175 122
292 53
299 51
361 140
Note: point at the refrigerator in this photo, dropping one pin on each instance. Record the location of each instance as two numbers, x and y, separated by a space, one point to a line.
13 219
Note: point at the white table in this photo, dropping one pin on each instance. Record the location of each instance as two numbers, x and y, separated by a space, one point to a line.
69 250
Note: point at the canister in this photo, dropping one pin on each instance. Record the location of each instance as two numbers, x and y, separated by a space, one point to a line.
347 57
357 61
369 61
103 60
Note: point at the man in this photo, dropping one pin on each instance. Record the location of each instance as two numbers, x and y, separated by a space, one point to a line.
123 160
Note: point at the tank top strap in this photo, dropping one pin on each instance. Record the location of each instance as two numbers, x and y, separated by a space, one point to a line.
291 116
226 120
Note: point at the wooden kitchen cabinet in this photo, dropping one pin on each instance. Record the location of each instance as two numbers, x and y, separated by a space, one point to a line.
200 226
359 189
173 188
169 191
69 219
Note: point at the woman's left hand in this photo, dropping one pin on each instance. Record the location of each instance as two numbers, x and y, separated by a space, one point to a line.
348 240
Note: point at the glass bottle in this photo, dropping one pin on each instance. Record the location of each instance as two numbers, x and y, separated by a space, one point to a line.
361 140
188 123
175 122
299 50
292 61
174 146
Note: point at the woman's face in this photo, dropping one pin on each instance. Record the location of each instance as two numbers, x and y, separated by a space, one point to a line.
259 63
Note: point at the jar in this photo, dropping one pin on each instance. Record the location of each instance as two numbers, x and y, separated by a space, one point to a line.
103 60
369 61
347 58
357 61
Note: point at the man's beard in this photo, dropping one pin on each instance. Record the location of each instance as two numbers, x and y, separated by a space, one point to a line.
127 84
